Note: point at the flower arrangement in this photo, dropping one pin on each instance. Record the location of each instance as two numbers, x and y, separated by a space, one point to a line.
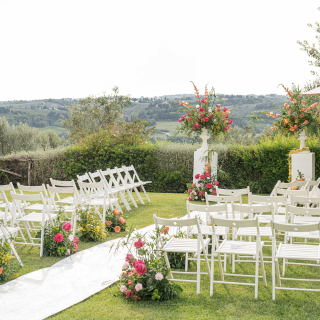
205 115
115 221
6 270
91 227
145 274
206 183
290 164
58 239
298 114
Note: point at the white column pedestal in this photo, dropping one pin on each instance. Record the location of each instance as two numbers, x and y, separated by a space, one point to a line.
199 165
304 162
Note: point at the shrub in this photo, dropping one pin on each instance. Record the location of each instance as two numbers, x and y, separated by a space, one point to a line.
7 272
91 227
115 221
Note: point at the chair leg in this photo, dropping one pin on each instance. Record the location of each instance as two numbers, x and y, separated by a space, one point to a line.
278 272
28 232
168 264
220 267
273 276
145 193
256 277
124 201
233 263
263 269
198 266
42 240
186 262
131 198
138 195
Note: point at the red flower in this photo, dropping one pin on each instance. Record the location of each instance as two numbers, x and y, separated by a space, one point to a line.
216 183
226 127
189 190
109 223
202 176
196 126
58 237
180 120
206 119
225 109
203 100
208 174
230 121
201 109
190 199
201 193
138 244
129 258
209 185
197 176
66 226
140 267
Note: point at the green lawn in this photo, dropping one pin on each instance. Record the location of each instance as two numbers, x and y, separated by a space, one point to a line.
228 301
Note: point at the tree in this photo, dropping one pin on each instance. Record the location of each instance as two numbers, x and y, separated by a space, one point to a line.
93 113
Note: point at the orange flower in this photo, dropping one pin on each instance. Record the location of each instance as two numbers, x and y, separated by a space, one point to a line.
165 230
301 115
295 126
290 98
308 109
109 223
0 270
294 101
303 109
285 104
294 188
286 121
116 212
278 115
117 229
122 220
301 179
305 121
289 111
292 129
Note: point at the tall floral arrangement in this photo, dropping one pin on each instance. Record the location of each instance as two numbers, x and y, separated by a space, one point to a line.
298 114
205 115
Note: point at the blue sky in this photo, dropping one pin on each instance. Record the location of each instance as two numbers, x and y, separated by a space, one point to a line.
61 49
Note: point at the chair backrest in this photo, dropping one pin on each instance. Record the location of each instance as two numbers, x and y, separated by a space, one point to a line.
251 209
95 176
91 188
301 184
235 223
312 184
266 199
290 227
218 208
7 187
34 189
85 177
176 222
61 183
280 185
295 200
133 173
301 211
292 192
231 192
7 208
56 191
127 177
224 199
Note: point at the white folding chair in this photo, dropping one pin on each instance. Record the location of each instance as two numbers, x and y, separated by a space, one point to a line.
237 247
231 192
289 193
56 205
33 189
6 187
286 251
308 202
313 184
60 183
33 217
92 193
134 178
113 192
280 185
190 246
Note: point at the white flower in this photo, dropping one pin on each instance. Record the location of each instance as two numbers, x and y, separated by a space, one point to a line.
194 193
196 198
214 120
198 185
202 199
71 237
159 276
139 287
123 288
125 265
210 110
197 106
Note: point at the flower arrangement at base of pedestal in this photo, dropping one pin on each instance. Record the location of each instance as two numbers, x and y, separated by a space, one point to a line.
58 238
205 115
144 273
298 114
115 221
206 183
91 227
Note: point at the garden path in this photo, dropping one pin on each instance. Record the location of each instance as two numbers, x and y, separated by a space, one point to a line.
44 292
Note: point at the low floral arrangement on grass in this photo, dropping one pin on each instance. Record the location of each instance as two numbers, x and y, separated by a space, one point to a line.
7 272
205 115
144 273
115 221
206 183
58 238
91 227
298 114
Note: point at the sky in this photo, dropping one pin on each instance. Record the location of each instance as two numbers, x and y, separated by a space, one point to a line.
75 48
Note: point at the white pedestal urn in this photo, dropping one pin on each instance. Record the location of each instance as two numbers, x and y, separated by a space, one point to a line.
201 154
303 161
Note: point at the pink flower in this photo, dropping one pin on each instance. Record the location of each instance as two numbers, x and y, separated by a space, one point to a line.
201 109
129 282
76 240
125 265
202 176
219 106
66 226
123 288
230 121
226 127
197 176
214 192
129 258
180 120
196 197
201 193
193 185
158 276
183 116
203 100
209 185
210 190
190 198
216 183
208 174
189 114
138 287
140 267
129 293
58 237
138 244
203 199
196 126
190 190
206 119
225 109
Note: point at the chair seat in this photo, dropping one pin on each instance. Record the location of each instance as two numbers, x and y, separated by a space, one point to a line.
237 216
35 206
252 231
9 230
307 235
298 251
67 200
184 245
207 230
303 219
66 209
36 217
267 218
100 201
238 247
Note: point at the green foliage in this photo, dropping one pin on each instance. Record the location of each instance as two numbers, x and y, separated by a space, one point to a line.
7 272
91 228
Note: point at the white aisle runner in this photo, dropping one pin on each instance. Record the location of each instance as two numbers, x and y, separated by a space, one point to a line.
44 292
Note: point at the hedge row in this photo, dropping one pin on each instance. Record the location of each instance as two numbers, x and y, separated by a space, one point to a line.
169 165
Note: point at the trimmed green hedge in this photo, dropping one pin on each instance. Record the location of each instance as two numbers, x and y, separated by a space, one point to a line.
168 165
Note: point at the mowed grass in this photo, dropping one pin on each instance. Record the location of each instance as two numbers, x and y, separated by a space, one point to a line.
228 301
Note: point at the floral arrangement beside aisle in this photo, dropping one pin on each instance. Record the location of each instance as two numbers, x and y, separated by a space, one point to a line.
144 273
58 238
115 221
91 227
298 114
205 115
